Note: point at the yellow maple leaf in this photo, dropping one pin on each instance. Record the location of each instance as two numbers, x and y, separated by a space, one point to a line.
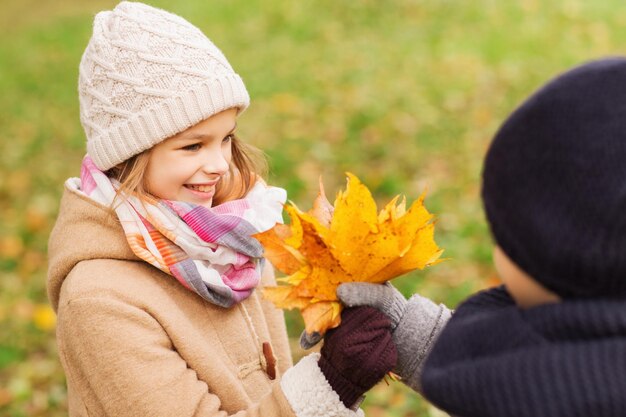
349 241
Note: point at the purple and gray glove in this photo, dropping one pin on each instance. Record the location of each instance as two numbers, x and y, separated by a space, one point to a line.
415 324
358 353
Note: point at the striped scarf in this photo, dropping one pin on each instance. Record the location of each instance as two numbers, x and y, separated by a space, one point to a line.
210 251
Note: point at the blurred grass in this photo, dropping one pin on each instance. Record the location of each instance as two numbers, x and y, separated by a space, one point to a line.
404 94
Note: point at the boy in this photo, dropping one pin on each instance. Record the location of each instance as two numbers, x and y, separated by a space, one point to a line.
552 340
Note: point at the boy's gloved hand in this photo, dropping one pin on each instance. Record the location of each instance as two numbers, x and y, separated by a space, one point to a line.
416 323
358 353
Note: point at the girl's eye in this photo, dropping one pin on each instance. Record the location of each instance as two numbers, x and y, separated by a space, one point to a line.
193 147
229 138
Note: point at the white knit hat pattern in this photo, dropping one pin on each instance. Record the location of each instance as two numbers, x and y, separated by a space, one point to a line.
145 76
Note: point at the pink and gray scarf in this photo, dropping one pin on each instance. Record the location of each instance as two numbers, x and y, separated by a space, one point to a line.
208 250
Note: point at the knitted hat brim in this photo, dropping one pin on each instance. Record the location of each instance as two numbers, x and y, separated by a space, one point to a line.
166 119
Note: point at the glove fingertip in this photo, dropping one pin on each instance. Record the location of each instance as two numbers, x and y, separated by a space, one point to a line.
348 295
307 341
343 293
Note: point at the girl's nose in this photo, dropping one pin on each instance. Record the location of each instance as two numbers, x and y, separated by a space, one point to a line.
216 162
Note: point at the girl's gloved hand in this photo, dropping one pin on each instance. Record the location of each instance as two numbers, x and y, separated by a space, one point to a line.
358 353
416 323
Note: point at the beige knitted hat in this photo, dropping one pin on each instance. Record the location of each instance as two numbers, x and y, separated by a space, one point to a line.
147 75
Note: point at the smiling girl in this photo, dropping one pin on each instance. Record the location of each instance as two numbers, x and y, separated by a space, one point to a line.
153 271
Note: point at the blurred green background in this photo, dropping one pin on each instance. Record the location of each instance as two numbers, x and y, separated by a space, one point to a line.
406 94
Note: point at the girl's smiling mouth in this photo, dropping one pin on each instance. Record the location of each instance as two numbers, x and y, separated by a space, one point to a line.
203 191
203 188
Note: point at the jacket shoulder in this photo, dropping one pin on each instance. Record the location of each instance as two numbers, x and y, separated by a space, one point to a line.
114 278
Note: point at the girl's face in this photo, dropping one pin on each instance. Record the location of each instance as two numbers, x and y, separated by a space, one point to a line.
188 166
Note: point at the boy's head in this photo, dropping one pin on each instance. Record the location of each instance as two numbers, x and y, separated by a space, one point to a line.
554 183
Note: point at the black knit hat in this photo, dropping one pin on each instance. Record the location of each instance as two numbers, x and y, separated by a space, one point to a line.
554 182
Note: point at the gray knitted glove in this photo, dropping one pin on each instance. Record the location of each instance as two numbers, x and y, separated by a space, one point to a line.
415 323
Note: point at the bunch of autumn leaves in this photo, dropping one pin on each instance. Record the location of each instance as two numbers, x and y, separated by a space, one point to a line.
349 241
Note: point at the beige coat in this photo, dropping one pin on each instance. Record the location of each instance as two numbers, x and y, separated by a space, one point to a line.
134 342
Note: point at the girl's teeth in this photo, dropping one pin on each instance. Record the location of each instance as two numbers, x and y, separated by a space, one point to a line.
201 188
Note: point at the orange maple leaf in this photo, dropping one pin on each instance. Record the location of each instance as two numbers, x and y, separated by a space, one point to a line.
349 241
